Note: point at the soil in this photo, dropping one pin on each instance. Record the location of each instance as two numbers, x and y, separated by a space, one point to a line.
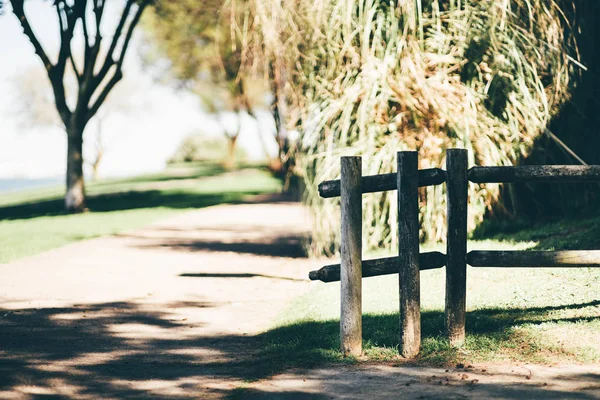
172 311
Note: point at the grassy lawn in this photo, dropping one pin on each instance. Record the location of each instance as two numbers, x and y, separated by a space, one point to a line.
530 315
33 221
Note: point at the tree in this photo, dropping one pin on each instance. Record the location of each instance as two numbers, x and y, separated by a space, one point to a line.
100 72
34 104
205 57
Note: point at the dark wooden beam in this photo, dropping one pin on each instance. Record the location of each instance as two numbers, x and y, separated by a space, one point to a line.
525 259
379 266
535 173
383 182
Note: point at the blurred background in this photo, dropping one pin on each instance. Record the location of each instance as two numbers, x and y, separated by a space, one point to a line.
131 88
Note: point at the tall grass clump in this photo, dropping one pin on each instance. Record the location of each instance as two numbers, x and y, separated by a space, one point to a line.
372 77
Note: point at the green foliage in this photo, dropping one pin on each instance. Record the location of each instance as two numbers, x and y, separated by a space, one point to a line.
204 149
185 32
196 39
377 77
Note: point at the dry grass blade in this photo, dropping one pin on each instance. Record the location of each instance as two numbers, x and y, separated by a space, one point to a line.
372 77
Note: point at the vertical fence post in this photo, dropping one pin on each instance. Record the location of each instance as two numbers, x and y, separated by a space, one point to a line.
351 257
408 254
456 265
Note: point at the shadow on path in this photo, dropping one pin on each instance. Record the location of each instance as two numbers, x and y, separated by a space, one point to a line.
119 349
236 275
114 349
285 246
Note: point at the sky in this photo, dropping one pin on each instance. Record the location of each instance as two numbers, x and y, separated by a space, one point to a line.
138 140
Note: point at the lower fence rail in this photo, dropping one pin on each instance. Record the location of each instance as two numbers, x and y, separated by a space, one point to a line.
528 259
379 266
475 258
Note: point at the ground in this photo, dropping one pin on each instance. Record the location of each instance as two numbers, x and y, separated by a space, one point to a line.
177 310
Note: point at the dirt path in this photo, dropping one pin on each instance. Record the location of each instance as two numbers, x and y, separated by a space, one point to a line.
171 310
168 310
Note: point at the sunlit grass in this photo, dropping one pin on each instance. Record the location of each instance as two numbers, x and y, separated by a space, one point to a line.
534 315
33 221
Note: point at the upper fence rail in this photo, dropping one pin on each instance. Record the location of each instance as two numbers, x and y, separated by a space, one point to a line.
535 173
437 176
384 182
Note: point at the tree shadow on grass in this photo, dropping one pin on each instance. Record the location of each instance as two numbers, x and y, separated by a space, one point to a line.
128 349
574 233
192 171
125 201
489 330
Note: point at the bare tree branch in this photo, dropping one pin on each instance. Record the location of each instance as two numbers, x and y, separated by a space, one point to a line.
64 31
119 65
129 34
56 79
109 60
66 35
81 11
117 76
61 23
17 6
90 60
74 66
98 12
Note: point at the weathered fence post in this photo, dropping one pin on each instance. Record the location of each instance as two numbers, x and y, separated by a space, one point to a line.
351 256
408 254
456 264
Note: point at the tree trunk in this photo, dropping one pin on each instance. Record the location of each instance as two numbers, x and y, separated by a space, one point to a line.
230 160
75 195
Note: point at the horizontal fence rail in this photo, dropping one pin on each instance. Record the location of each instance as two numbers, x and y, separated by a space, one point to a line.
528 259
535 173
383 182
379 266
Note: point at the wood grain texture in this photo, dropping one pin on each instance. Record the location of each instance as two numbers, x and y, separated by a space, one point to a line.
528 259
408 254
383 182
535 173
456 266
351 257
379 266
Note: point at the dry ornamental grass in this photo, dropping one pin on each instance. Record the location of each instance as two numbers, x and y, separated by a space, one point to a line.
370 78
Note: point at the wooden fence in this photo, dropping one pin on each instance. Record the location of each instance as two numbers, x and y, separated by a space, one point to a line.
410 261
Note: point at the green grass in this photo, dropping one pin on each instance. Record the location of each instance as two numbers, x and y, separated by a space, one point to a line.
33 221
532 315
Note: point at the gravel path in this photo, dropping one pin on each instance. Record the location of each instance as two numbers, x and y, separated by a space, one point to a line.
171 310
